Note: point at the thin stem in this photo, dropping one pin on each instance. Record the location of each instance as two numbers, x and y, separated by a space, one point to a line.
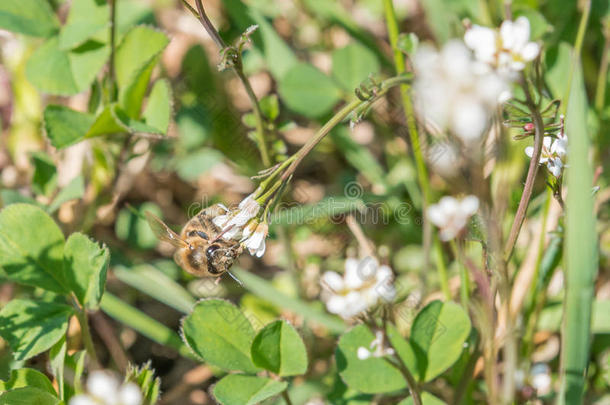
239 71
442 269
602 77
531 172
402 367
464 277
258 115
286 397
467 374
386 85
83 320
111 68
400 65
366 246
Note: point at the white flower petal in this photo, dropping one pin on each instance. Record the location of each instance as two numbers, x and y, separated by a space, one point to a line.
333 280
530 51
470 205
469 119
101 384
130 394
336 304
529 151
82 399
353 278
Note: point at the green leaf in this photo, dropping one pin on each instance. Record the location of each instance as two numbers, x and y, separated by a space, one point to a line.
158 108
143 324
31 247
57 360
236 389
219 333
85 266
580 246
352 65
27 377
144 377
86 19
133 228
437 337
65 126
32 327
29 17
403 349
9 197
308 91
155 283
279 348
265 290
75 189
29 396
105 123
373 375
358 156
426 399
136 56
193 165
56 71
44 179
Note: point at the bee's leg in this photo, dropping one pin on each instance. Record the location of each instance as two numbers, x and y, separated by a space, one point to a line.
217 281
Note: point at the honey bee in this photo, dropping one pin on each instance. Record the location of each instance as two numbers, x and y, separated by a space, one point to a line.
200 248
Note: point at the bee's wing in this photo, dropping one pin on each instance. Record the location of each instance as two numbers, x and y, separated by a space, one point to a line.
163 232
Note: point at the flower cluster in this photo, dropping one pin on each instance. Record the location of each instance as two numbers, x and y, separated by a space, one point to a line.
554 151
364 284
451 215
242 225
453 91
507 49
103 388
376 349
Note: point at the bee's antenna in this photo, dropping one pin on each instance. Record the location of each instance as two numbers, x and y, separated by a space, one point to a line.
235 278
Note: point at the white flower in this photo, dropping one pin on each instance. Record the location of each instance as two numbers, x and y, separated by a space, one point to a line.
541 378
377 348
363 285
455 92
451 215
553 153
508 49
232 223
103 388
254 238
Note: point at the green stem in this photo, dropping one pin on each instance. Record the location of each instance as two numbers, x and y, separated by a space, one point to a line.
83 320
602 77
237 67
400 65
464 277
531 172
111 69
442 269
286 397
385 86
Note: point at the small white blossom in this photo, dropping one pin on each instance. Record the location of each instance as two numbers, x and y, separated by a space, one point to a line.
363 285
377 348
232 223
553 153
455 92
103 388
541 378
254 238
451 215
507 50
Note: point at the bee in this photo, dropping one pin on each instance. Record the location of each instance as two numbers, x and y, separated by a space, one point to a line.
200 248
